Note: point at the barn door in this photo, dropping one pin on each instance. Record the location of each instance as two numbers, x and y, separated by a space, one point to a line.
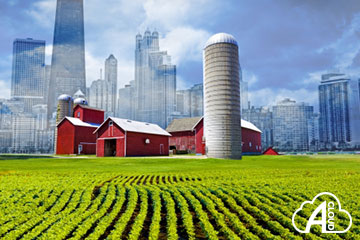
161 149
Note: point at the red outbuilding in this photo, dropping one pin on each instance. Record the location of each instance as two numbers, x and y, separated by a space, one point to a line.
89 114
75 137
270 151
76 134
187 135
123 137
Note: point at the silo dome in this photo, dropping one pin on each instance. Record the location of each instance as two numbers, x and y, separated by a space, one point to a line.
222 120
221 38
81 101
64 97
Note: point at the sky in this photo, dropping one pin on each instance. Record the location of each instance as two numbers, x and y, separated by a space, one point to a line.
284 46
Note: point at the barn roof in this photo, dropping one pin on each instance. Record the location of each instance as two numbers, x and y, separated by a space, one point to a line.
249 125
188 124
183 124
88 107
78 122
135 126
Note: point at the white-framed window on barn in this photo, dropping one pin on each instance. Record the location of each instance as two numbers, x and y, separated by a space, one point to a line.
111 123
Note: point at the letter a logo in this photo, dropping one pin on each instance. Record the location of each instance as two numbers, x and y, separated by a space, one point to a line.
325 210
321 222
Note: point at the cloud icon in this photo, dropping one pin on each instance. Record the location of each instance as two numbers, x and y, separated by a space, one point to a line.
328 215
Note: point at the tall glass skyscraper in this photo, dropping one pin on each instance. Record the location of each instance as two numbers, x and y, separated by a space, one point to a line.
155 81
68 58
28 69
290 120
339 111
111 79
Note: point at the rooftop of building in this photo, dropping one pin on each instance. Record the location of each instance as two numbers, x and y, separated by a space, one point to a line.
78 122
183 124
88 107
189 124
136 126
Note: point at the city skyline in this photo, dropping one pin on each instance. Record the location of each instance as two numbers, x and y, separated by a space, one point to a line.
295 72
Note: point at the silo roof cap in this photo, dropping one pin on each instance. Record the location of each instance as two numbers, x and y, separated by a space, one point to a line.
64 97
221 38
80 101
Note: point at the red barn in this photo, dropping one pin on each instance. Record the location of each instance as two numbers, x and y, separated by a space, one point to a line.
76 134
89 114
187 135
123 137
75 137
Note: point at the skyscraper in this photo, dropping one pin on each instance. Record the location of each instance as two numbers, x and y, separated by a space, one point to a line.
111 78
244 94
155 81
27 82
339 111
99 96
126 103
290 120
263 119
68 57
190 102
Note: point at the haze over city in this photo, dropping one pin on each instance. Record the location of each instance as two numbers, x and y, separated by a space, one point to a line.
283 48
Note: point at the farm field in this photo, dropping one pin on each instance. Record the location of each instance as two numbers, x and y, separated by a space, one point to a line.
171 198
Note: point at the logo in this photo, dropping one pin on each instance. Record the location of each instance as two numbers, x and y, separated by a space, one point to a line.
324 210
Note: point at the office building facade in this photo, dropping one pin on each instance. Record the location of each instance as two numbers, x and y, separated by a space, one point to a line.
262 118
111 79
28 72
155 81
339 111
290 125
68 57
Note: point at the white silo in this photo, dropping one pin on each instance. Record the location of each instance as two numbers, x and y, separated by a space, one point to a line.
64 109
222 120
80 101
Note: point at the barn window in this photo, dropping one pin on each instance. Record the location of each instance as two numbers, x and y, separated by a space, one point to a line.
147 141
249 144
110 123
256 147
78 114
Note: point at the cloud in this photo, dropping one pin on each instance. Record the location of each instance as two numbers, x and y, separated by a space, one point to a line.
185 44
324 211
48 53
270 96
176 13
44 13
93 66
250 78
347 47
4 89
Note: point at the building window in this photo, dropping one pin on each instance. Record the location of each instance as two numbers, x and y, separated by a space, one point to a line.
110 123
78 114
249 144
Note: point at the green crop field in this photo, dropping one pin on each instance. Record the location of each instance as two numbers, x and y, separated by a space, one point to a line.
171 198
